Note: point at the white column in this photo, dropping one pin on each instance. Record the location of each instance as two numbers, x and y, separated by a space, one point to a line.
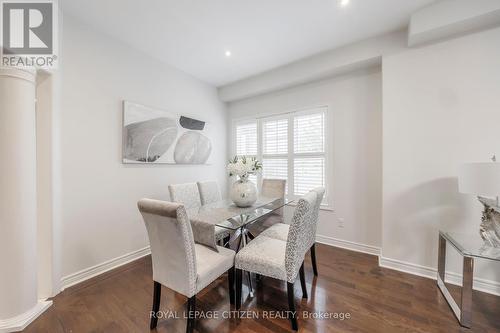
18 225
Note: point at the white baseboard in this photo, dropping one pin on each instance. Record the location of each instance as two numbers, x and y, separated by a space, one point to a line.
20 322
348 245
85 274
407 267
487 286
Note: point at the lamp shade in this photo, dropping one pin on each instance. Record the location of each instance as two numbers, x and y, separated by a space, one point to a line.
480 179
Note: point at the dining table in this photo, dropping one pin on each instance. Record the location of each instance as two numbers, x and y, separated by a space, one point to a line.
237 220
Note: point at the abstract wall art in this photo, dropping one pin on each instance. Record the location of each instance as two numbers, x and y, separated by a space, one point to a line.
156 136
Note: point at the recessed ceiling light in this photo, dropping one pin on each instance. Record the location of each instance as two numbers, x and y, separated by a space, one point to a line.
344 3
228 53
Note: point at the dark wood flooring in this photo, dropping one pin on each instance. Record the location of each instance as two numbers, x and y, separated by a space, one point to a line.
377 299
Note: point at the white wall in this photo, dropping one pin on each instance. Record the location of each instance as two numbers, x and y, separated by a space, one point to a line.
98 194
441 109
355 115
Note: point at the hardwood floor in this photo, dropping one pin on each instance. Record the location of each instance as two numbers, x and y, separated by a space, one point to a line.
377 299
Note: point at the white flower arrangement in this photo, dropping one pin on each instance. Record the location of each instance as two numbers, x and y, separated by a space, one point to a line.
243 166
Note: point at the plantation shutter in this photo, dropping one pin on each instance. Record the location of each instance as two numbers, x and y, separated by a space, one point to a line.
246 142
275 148
309 151
246 139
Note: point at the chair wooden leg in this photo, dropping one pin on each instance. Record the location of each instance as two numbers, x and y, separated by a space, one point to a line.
191 308
230 277
250 286
156 304
225 242
292 314
313 259
239 286
303 281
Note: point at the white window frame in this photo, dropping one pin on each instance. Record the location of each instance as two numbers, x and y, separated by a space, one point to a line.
327 154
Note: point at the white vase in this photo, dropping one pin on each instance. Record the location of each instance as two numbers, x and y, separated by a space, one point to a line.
243 192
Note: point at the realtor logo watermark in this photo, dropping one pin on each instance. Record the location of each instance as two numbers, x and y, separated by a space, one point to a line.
29 33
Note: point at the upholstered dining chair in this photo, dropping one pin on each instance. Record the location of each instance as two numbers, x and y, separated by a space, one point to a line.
186 194
189 195
282 260
209 192
273 188
280 230
179 263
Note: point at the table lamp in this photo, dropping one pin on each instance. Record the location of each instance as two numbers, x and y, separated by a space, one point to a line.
483 180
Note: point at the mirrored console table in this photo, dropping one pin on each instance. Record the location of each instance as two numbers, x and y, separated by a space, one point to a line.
469 246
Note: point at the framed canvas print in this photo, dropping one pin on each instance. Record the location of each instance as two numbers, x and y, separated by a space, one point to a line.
154 136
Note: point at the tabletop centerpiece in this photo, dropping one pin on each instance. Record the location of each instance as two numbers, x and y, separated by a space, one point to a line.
243 191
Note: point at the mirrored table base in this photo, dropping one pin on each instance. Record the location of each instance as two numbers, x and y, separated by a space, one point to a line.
243 234
463 312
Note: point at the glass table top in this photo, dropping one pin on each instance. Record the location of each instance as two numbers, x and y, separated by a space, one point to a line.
227 215
472 245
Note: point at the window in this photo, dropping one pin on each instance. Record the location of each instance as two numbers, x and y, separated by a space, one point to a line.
291 146
308 152
246 143
247 139
275 148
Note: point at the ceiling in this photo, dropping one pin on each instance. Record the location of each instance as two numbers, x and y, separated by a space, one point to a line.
193 35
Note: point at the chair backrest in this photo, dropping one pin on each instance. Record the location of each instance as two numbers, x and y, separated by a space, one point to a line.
273 188
186 194
300 234
320 191
209 192
172 245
